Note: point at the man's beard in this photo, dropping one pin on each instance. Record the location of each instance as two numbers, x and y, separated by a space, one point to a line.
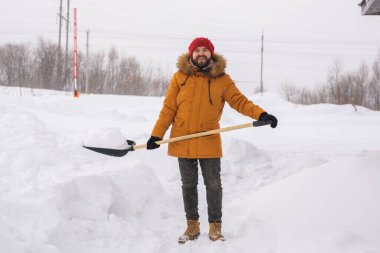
200 64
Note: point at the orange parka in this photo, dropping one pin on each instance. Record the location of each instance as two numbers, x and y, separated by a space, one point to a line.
194 103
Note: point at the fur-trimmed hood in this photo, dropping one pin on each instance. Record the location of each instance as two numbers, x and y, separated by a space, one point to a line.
217 69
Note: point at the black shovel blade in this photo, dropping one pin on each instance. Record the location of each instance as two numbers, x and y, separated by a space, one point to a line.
114 152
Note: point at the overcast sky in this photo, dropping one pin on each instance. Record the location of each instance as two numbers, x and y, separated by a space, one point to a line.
302 38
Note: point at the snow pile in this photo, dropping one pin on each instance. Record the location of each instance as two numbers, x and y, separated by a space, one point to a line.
331 208
311 185
105 138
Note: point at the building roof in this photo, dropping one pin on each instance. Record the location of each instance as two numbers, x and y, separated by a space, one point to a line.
370 7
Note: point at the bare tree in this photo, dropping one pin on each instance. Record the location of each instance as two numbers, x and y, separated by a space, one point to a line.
373 92
159 83
356 88
45 59
361 81
289 91
334 81
15 64
322 94
7 63
3 77
133 80
97 73
112 70
37 68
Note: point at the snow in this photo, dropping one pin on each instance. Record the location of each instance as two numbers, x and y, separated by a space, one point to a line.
106 138
310 185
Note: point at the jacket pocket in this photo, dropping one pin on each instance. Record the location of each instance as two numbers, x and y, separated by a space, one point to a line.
178 122
178 128
179 148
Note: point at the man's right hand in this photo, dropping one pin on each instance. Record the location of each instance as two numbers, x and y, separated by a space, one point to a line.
151 144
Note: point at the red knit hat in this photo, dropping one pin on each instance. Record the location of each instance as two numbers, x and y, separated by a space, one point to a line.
201 42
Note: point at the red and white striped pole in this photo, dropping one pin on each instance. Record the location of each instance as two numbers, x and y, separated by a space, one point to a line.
76 90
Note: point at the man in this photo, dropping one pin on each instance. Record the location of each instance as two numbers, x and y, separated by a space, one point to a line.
194 103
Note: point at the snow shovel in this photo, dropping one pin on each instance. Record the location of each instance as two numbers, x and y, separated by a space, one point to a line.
130 145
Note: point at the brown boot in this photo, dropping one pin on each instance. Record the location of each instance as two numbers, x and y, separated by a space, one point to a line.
215 232
192 232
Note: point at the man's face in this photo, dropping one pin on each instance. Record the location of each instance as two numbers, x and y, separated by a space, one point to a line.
201 57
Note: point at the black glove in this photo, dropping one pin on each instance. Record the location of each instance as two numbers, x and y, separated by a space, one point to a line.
151 144
268 117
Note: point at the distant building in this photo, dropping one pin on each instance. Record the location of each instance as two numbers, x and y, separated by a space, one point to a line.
370 7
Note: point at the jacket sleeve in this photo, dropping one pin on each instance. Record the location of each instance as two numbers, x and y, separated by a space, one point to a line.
168 111
239 102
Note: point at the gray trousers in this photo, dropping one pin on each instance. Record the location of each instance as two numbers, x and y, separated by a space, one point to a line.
211 176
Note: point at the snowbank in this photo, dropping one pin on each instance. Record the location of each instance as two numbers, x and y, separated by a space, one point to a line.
310 185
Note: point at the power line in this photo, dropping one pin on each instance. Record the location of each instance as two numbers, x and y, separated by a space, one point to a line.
316 41
181 17
232 39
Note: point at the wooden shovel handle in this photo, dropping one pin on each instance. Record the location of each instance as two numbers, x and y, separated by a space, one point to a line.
211 132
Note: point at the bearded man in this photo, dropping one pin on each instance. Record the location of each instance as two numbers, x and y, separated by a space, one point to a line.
194 103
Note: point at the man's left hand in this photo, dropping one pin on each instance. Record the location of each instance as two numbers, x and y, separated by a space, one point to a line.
268 117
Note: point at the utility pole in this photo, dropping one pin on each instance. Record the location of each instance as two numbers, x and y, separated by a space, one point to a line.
262 59
59 65
67 41
87 59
